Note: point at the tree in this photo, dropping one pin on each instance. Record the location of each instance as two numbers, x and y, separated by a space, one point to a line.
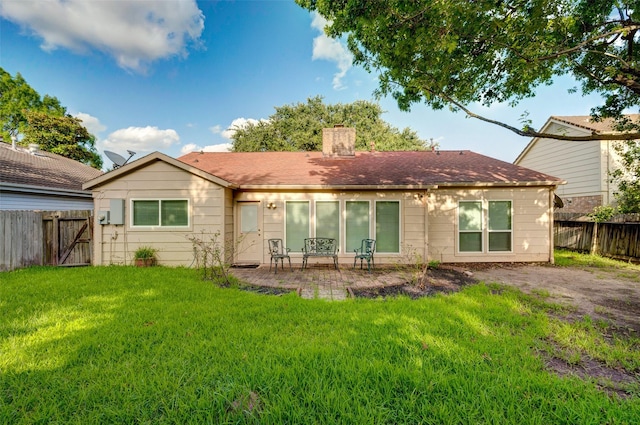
298 127
628 177
44 121
455 53
63 135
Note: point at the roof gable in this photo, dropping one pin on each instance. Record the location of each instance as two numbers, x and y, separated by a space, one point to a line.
365 170
147 160
580 123
22 166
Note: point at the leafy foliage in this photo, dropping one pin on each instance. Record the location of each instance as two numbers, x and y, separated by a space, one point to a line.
43 120
602 213
298 127
63 135
456 53
628 177
145 252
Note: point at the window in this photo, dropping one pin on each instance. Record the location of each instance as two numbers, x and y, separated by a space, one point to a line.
297 224
388 226
499 225
163 213
356 224
328 219
470 226
473 231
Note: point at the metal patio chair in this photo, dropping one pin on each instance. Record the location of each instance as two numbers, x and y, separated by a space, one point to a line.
365 252
278 252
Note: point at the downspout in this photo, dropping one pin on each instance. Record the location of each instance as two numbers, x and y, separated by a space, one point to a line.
608 198
551 226
426 226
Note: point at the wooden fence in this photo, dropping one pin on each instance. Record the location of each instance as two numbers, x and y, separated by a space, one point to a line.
29 238
617 238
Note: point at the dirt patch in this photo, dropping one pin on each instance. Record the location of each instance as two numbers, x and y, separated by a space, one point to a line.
443 280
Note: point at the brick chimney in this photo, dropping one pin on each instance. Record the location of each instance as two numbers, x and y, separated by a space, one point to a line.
339 141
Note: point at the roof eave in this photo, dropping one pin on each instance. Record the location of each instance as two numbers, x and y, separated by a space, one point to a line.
505 184
399 186
335 187
26 188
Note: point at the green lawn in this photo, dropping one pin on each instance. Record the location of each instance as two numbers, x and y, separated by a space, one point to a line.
159 345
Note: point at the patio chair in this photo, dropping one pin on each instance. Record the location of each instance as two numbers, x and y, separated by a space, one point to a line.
278 252
365 252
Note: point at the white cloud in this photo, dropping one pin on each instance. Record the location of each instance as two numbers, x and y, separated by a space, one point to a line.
135 33
216 129
141 140
239 123
91 123
325 48
191 147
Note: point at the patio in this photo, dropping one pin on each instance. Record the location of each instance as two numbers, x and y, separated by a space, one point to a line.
323 280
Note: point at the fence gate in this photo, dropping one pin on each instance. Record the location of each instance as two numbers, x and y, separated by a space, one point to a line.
67 238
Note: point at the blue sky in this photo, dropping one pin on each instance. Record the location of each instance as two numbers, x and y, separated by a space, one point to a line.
174 76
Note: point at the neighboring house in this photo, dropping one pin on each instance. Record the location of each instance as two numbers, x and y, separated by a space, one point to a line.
584 165
449 206
31 179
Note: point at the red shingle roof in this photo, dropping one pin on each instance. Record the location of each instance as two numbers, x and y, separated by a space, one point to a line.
43 169
413 169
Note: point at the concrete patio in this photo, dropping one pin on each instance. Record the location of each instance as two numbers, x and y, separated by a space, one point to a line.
323 280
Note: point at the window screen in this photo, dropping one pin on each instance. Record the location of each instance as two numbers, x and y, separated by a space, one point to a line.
387 226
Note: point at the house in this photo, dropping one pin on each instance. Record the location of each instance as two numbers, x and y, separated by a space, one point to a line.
584 165
449 206
31 179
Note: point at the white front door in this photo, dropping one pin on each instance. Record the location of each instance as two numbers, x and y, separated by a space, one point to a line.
249 242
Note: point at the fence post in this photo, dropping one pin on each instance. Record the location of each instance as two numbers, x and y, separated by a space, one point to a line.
594 239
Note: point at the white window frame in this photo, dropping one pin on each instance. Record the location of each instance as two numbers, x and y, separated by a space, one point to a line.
159 225
489 231
484 231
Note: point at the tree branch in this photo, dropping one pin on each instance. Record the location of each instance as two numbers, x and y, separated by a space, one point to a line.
579 46
532 133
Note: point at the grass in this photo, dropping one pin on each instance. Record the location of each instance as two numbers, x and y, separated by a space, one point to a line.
159 345
574 259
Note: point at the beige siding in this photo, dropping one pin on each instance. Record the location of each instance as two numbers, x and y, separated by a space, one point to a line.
531 225
213 211
412 220
115 244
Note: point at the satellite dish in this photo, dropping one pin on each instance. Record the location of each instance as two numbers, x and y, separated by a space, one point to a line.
117 159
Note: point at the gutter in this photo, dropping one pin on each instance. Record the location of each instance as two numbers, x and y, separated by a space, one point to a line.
25 188
395 186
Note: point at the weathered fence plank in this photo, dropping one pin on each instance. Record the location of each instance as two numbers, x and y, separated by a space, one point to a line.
613 239
20 239
29 238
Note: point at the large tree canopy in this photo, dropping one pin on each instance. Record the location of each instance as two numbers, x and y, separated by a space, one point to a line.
299 127
458 52
63 135
24 114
